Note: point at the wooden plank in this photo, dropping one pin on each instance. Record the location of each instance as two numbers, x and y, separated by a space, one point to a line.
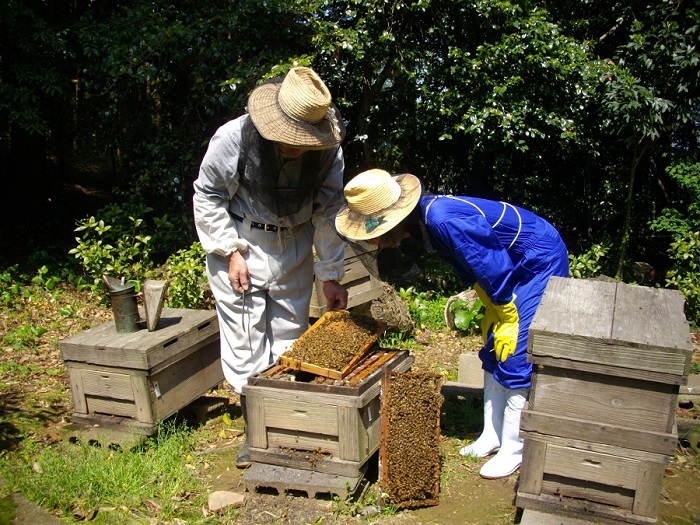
599 432
208 345
256 433
328 465
532 467
605 469
589 491
107 384
600 448
109 406
142 399
113 423
575 307
600 398
76 389
371 424
608 356
351 434
604 369
299 414
649 484
303 444
655 318
554 504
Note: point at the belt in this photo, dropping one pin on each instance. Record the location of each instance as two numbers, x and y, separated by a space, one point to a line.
261 226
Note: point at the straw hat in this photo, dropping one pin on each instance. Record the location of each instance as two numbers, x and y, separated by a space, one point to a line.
297 111
376 203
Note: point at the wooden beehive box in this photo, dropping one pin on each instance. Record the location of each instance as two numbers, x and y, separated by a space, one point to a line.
361 285
600 423
315 423
131 381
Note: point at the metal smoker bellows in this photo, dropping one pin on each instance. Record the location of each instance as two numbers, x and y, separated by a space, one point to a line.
123 298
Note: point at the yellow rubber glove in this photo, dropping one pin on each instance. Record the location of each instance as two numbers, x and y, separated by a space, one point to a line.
490 316
505 331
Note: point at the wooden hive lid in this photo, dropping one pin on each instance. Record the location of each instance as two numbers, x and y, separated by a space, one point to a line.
612 328
179 332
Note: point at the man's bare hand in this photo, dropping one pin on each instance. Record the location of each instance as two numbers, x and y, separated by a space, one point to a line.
238 272
336 296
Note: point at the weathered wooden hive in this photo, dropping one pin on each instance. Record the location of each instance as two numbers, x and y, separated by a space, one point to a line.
361 284
305 416
599 428
131 381
318 424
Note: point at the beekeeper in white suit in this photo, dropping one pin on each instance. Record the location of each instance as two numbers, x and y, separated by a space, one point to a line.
268 189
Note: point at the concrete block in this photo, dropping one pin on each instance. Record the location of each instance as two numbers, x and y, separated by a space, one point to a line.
533 517
469 371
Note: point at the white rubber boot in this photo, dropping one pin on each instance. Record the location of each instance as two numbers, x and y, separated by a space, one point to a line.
510 455
494 405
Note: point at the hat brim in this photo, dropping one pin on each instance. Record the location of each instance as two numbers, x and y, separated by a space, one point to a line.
352 225
273 124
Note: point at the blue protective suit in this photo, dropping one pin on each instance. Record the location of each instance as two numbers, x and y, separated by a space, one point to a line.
509 251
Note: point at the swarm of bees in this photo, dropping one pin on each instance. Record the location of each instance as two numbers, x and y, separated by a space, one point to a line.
410 454
336 339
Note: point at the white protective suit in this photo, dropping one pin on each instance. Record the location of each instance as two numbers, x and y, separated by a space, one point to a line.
280 263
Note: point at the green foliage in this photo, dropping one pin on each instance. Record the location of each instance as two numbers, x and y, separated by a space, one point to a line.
24 336
684 275
10 287
121 240
467 317
681 222
427 310
587 264
185 270
683 214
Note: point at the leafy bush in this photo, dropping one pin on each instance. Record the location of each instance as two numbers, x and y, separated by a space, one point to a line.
185 270
427 310
684 274
467 317
682 222
117 248
587 264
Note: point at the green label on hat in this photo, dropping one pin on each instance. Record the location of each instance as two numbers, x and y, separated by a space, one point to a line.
371 224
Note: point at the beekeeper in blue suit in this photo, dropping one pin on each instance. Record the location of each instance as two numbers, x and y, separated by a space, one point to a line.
505 252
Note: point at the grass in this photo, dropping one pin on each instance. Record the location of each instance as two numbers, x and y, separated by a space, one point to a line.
112 486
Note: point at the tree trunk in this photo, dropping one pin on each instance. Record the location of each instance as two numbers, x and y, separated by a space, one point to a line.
640 147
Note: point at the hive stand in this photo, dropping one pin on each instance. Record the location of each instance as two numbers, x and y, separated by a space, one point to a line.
599 428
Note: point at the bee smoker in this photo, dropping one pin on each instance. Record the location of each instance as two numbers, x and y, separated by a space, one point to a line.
124 308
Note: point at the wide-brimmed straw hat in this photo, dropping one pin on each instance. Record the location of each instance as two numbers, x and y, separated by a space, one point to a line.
297 111
376 203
